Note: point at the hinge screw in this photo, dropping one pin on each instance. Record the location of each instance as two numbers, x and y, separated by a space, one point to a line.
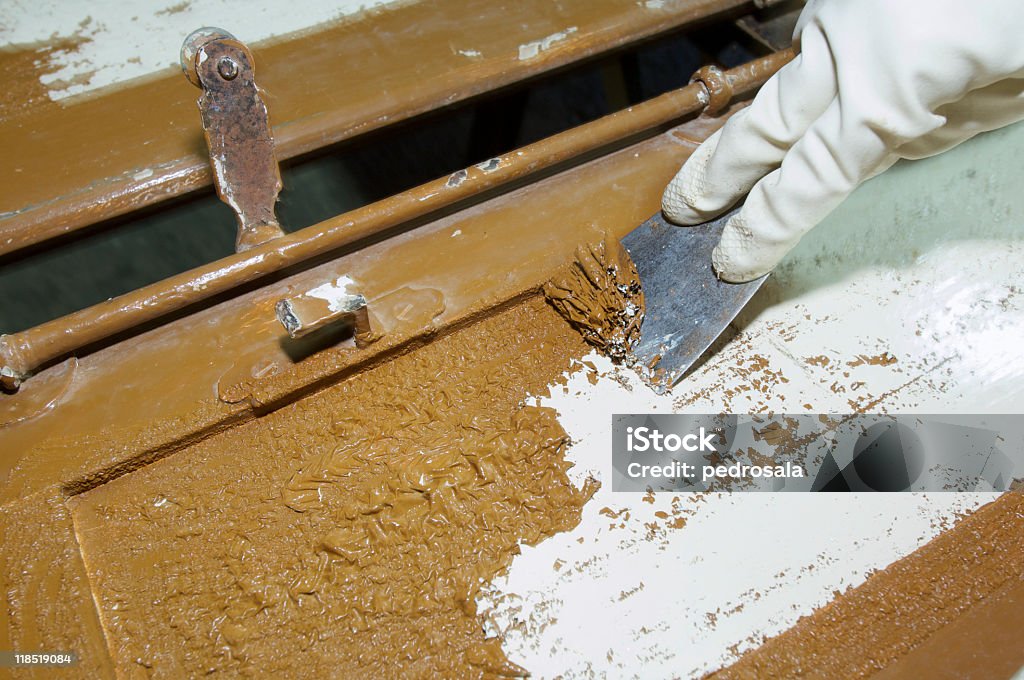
227 69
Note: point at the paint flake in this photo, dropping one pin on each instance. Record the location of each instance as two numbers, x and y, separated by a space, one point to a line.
532 49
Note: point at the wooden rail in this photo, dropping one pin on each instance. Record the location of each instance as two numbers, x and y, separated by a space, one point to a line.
70 165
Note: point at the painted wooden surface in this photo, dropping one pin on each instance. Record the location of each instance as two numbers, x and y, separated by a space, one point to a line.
81 155
153 397
941 298
923 264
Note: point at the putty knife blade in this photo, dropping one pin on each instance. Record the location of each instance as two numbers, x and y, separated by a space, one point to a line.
687 305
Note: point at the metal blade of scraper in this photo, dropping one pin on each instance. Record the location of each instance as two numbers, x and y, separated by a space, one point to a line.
687 305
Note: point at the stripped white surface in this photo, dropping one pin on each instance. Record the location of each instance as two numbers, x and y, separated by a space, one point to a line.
926 263
125 39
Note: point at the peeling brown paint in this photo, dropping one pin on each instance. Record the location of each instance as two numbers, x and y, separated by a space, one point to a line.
21 67
218 359
883 359
599 293
48 602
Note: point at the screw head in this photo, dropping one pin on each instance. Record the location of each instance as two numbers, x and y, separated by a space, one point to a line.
9 380
227 68
193 44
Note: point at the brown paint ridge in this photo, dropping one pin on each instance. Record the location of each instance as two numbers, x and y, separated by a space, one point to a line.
599 293
84 160
348 533
898 609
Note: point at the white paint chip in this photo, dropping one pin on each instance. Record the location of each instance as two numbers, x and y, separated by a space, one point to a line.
532 49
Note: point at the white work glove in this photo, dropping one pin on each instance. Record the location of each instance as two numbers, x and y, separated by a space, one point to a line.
875 81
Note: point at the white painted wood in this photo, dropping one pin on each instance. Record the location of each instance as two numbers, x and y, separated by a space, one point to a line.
925 262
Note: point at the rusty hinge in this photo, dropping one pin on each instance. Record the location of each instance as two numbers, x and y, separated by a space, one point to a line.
237 129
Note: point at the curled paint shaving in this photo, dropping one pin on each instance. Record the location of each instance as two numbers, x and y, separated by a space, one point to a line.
599 293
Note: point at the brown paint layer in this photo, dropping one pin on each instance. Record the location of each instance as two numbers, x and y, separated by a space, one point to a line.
21 67
599 293
985 642
350 532
75 163
25 351
48 604
900 615
137 405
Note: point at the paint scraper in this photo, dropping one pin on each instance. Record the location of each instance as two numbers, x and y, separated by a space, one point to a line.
687 305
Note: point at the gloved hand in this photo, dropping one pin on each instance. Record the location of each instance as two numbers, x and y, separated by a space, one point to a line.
875 81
